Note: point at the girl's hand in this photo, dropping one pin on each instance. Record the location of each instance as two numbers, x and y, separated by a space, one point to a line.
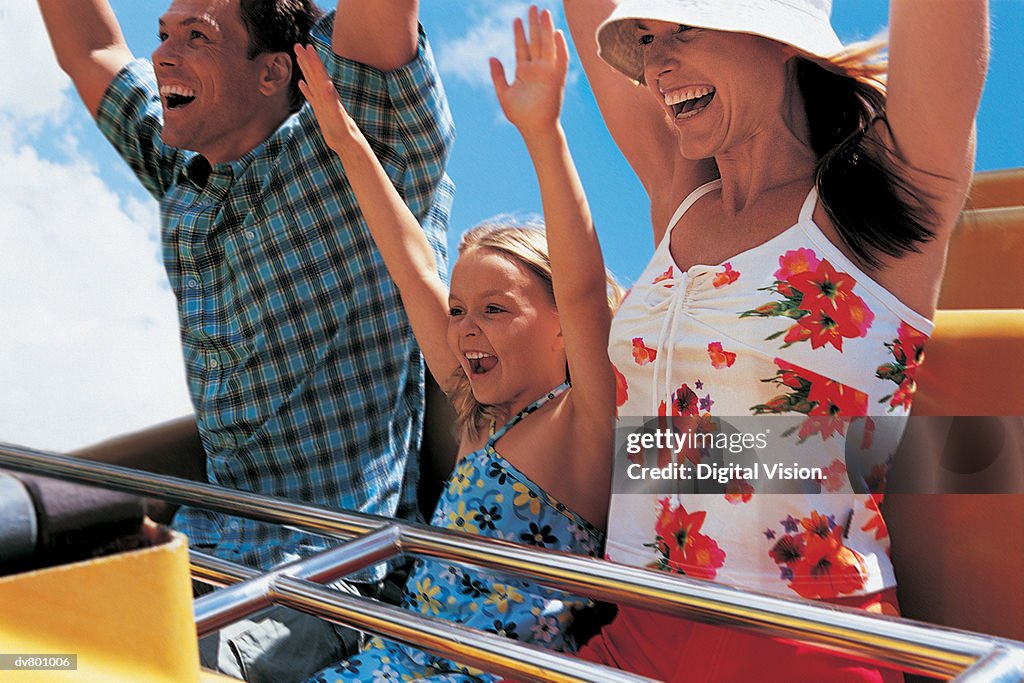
533 101
339 129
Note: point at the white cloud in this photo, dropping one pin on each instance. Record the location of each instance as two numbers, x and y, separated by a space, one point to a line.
31 84
90 344
90 339
489 35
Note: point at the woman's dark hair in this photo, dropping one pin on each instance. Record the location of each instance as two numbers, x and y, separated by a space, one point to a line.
276 26
875 211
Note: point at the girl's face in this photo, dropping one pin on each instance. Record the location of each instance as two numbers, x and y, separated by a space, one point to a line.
720 89
504 330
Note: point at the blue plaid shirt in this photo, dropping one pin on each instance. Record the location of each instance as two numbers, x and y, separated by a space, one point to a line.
305 378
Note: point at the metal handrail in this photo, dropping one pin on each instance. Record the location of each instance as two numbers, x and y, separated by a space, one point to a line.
287 586
908 645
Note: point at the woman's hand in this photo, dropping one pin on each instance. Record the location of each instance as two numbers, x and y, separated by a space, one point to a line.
339 129
532 103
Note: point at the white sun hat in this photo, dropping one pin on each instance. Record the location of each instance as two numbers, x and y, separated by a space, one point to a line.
802 24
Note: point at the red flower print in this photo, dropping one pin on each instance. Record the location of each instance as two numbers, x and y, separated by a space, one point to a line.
835 398
788 549
828 405
835 405
909 347
796 261
908 355
818 298
643 354
827 569
822 326
831 291
621 389
875 522
817 524
726 277
797 333
683 548
719 358
685 402
876 479
822 287
834 475
904 394
790 374
869 435
814 560
667 275
738 491
703 557
857 313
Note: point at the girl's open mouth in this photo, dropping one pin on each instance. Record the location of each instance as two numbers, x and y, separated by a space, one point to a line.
480 363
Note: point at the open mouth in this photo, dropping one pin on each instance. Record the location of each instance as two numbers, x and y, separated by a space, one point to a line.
689 101
177 96
481 363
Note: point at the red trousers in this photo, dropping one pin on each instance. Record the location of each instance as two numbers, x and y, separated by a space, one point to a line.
675 649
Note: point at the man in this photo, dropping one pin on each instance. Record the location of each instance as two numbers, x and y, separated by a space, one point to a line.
301 366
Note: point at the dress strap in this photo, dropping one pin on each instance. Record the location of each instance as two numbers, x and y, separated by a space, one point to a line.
690 200
533 407
807 210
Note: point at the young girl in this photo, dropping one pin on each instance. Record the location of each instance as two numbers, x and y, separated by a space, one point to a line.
534 455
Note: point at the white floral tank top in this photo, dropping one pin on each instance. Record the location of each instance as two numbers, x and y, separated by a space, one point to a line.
792 327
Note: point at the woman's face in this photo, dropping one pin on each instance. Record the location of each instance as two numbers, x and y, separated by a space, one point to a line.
720 89
504 330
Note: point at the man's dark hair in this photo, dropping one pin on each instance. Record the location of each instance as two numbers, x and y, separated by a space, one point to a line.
276 26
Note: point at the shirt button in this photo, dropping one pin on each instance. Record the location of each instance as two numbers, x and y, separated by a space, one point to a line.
193 282
214 362
250 235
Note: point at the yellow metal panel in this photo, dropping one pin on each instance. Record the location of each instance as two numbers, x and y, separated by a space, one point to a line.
127 616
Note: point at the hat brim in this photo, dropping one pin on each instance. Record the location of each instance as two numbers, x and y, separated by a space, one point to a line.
808 32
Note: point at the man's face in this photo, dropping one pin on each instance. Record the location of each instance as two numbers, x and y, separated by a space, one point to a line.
209 88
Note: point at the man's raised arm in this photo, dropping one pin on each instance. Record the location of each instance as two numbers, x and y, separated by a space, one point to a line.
378 33
88 43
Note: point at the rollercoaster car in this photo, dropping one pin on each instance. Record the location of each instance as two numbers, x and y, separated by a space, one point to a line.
120 607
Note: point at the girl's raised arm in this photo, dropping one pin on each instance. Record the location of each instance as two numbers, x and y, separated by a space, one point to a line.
398 235
532 103
938 56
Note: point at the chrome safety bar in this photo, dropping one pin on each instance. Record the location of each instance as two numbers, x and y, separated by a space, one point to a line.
286 586
220 608
902 643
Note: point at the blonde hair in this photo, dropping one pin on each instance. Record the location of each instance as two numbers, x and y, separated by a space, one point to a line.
526 245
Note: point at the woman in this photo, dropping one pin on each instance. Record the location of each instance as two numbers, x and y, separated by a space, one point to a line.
832 198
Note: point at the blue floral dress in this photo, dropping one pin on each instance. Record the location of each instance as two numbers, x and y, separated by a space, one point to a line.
487 496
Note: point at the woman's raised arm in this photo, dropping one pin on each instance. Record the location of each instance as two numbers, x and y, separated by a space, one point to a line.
636 122
938 56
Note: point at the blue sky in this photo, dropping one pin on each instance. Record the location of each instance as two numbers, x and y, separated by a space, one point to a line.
90 343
